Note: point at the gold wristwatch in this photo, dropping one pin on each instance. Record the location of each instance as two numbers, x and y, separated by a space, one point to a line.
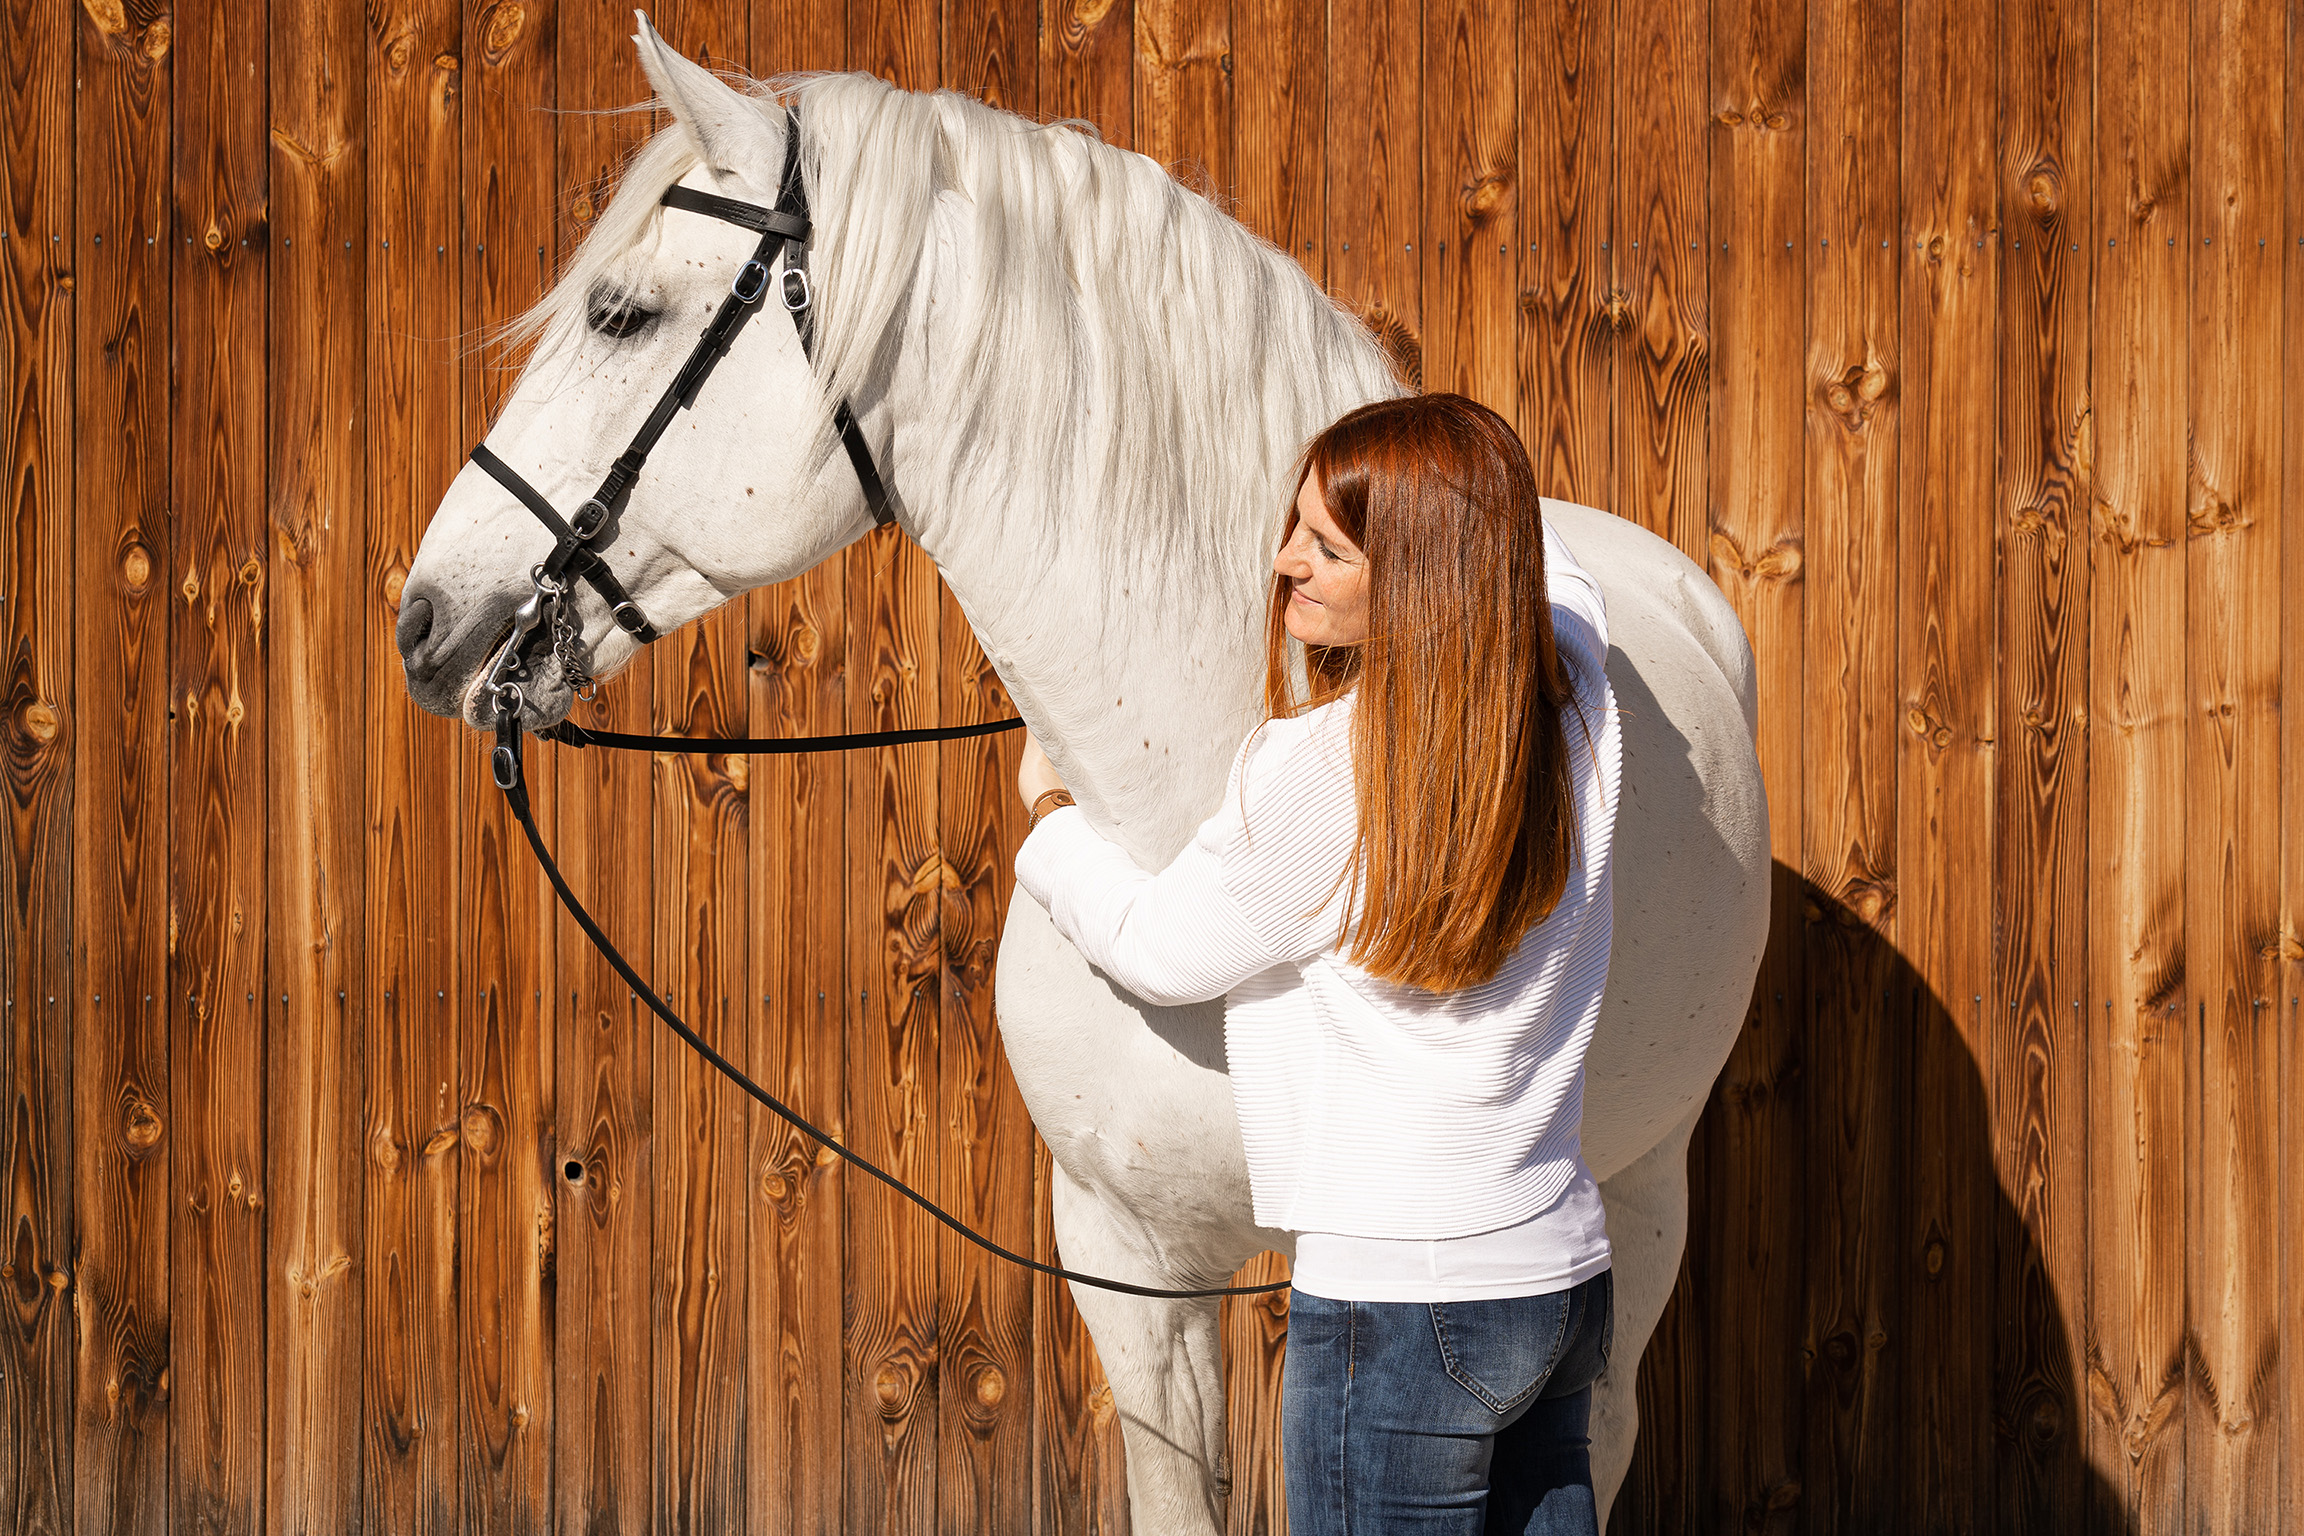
1049 800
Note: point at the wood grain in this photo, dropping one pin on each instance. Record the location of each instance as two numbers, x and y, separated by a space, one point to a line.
1087 66
2036 1067
2232 537
1946 747
1851 1435
1373 143
317 760
604 1150
505 1226
1742 1166
1255 1339
1182 101
1083 1483
219 845
1662 238
1562 236
1279 119
86 857
798 674
2289 979
407 1260
2137 1357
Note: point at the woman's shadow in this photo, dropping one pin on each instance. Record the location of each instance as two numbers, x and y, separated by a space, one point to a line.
1866 1336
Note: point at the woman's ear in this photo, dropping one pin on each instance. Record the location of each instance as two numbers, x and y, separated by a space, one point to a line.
733 134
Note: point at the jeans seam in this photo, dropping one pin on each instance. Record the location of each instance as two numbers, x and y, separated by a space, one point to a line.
1344 1429
1480 1392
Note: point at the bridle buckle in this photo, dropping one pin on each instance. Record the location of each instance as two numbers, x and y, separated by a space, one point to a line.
797 294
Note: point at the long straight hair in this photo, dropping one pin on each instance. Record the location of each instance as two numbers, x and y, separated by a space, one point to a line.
1459 747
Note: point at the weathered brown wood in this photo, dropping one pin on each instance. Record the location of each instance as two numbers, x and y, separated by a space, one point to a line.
1946 753
1556 211
1182 102
894 960
1255 1336
606 1433
2036 1069
1373 145
1279 122
2137 1357
2232 537
507 915
800 830
1086 66
85 856
984 1305
317 761
1661 237
2288 993
219 848
1850 1089
407 1261
1743 1166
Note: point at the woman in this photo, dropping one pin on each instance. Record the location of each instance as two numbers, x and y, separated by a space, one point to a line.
1404 899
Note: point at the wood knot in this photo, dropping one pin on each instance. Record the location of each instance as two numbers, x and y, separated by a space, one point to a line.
136 567
483 1129
384 1150
1928 728
1480 198
139 1126
1616 310
500 27
2211 514
395 583
892 1385
1781 561
991 1386
40 721
2045 190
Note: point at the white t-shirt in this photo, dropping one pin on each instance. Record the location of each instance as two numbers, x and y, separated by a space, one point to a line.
1370 1111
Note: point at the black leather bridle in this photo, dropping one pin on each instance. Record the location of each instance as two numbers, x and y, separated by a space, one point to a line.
576 553
578 541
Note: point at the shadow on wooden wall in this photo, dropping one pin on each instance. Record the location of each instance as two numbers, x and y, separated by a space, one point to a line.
1865 1336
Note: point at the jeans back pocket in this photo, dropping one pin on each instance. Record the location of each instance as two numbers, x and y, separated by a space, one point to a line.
1502 1350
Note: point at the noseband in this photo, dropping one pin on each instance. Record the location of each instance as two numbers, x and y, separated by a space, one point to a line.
576 552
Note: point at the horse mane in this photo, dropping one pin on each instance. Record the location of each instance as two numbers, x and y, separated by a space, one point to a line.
1128 362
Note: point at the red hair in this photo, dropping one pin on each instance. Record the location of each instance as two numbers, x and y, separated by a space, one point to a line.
1459 750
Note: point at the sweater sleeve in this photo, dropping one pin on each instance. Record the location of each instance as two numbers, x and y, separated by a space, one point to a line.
1253 889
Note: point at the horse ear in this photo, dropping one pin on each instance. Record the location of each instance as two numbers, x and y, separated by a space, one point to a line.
729 130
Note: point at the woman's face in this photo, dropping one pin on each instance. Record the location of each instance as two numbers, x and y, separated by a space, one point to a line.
1329 603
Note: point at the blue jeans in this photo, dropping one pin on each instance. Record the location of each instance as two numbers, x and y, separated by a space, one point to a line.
1456 1417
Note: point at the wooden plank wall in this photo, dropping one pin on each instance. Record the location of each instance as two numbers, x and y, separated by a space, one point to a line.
342 1188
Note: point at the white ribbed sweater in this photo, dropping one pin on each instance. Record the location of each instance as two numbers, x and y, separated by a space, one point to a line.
1367 1108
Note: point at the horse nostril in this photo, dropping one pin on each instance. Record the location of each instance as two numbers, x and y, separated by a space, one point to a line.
414 627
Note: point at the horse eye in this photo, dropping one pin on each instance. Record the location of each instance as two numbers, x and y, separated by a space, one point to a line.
618 318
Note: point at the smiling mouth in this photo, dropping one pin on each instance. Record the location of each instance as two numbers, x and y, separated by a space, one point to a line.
1302 596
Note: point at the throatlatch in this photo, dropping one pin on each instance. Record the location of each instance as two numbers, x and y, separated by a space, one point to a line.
576 553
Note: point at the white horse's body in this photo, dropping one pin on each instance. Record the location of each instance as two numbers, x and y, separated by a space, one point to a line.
1108 545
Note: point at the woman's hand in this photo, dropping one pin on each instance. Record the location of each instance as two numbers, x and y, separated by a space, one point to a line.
1035 776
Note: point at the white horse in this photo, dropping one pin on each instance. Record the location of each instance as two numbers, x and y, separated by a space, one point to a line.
1085 387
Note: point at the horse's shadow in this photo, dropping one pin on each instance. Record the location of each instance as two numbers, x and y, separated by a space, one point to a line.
1866 1335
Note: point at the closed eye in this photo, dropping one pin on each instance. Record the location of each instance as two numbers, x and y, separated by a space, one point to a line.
616 314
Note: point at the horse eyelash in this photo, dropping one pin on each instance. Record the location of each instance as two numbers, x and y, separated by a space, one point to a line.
616 315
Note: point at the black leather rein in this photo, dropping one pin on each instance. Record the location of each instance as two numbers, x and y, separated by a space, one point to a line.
783 230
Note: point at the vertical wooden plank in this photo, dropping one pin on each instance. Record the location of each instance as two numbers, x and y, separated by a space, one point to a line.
1946 760
1182 102
986 1408
1086 69
606 1433
504 1225
1474 196
1661 235
416 438
2037 1067
798 674
2289 981
1568 306
2233 532
316 954
1255 1338
220 853
1851 1450
895 874
1279 124
699 804
2137 812
1752 1276
1375 172
893 1348
984 1318
84 619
